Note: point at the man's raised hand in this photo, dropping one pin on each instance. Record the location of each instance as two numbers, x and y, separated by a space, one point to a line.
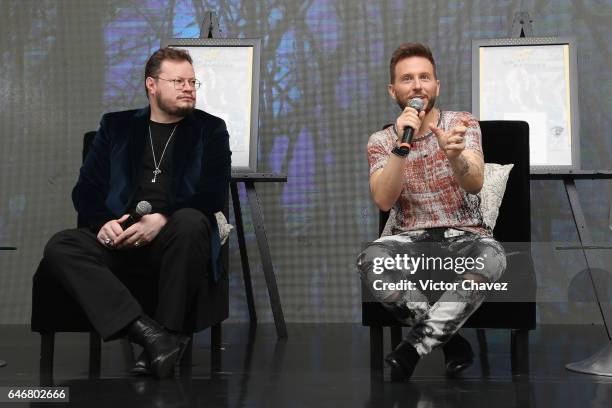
451 142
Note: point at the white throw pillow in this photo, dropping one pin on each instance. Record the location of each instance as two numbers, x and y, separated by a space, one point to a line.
224 227
493 189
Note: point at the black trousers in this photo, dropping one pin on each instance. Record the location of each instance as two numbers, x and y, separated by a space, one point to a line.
178 259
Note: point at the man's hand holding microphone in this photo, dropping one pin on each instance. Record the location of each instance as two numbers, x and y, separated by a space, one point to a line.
408 123
132 230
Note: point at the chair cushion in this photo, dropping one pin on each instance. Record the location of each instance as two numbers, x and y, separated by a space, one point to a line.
492 192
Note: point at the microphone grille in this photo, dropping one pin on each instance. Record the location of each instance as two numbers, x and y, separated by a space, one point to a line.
143 208
416 103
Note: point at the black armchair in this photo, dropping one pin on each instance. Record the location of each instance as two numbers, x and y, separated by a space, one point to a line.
503 142
54 310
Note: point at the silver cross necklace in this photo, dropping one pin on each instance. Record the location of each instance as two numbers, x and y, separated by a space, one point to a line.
157 169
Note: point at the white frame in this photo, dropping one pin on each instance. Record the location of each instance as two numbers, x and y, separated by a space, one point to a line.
540 141
236 103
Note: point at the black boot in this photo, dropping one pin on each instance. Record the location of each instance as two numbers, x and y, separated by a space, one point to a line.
402 360
458 354
141 366
164 349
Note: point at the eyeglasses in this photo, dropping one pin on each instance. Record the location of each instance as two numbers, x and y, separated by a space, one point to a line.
179 84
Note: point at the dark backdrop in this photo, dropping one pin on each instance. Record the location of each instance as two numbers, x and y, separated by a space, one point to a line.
323 91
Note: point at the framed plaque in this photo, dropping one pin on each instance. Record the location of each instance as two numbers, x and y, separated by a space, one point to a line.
229 71
534 80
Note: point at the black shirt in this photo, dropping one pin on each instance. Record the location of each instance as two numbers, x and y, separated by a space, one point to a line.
157 193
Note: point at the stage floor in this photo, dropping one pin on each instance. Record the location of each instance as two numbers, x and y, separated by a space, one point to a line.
320 365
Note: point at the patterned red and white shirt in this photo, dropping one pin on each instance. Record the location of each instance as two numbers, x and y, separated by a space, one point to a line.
431 197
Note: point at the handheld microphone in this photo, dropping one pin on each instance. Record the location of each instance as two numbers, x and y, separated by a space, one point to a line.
417 104
142 208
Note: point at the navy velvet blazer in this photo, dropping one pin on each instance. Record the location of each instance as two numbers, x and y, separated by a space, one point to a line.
201 169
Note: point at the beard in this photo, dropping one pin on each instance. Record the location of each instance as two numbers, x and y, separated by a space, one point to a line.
430 104
173 110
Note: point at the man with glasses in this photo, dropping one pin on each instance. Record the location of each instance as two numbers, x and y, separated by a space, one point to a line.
177 159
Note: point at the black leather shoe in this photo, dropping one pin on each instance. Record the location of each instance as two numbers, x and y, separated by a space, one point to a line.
141 366
163 348
402 361
458 355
